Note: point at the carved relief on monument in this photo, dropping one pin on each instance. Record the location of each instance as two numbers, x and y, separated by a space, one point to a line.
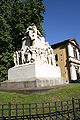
34 49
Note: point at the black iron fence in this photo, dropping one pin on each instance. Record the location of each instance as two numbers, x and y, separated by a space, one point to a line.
60 110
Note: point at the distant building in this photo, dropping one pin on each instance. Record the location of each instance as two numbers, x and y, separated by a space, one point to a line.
67 56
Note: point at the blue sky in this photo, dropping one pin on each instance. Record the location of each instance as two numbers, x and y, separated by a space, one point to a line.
62 20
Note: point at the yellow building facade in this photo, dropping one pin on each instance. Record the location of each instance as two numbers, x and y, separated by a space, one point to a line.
63 56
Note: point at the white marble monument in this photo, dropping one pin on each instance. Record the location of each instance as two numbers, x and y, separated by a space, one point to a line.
34 63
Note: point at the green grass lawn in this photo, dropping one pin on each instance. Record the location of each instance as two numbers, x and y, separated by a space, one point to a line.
66 92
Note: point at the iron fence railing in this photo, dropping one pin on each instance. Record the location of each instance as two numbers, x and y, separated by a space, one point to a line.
60 110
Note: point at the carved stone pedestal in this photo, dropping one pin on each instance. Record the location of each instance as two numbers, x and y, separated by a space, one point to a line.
34 64
33 75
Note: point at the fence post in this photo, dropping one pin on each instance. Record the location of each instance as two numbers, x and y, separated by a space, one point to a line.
62 109
16 111
79 104
36 112
2 112
74 109
49 111
43 110
56 110
23 110
30 111
68 108
9 111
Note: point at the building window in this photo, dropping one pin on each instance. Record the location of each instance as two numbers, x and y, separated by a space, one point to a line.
56 57
75 53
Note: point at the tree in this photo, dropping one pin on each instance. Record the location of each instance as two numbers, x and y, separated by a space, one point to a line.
15 17
6 47
24 14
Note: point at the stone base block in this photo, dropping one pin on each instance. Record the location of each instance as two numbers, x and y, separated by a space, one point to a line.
33 75
33 83
28 72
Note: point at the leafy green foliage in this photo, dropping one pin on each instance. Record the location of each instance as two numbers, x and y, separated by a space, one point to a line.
15 17
6 47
